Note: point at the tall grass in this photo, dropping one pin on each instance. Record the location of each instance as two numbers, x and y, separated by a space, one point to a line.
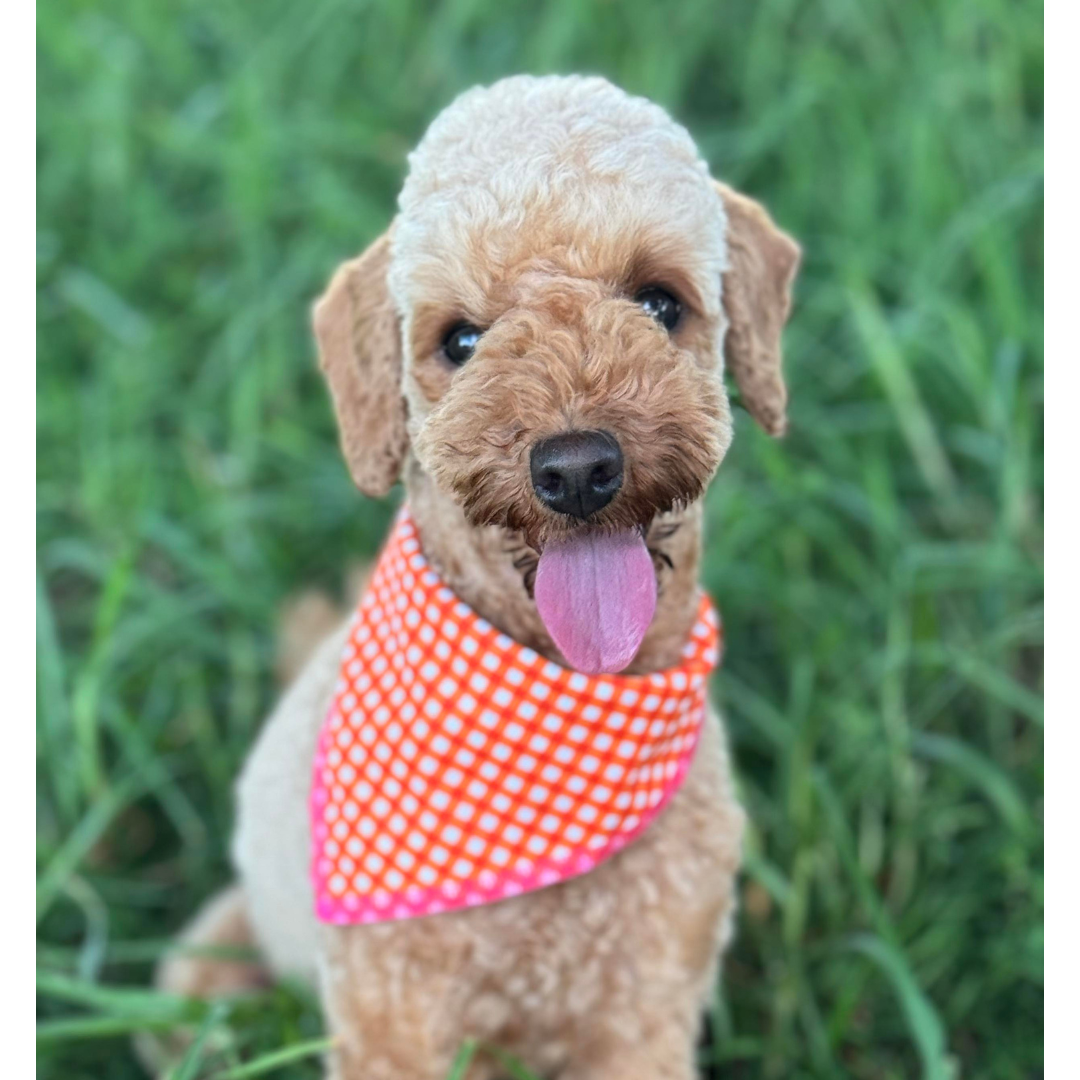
202 167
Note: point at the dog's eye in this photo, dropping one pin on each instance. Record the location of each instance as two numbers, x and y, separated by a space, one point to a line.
661 305
460 343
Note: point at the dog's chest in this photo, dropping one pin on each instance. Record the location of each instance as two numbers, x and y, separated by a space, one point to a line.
659 906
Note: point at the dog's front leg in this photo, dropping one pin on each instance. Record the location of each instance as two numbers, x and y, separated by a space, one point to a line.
392 999
662 1048
648 1035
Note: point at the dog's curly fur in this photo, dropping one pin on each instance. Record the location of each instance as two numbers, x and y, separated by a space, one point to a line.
535 209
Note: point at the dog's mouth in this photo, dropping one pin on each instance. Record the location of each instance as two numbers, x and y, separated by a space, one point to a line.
596 594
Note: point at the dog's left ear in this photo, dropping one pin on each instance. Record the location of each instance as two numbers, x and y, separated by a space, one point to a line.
359 340
762 262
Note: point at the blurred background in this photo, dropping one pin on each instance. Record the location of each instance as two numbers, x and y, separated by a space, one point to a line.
202 168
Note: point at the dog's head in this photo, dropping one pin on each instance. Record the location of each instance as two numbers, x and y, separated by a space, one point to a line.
546 320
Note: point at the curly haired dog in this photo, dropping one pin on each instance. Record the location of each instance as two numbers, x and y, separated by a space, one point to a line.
561 262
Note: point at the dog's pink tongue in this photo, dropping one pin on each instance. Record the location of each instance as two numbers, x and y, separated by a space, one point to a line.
596 594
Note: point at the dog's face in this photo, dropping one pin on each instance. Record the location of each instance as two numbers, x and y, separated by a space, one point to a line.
544 323
564 344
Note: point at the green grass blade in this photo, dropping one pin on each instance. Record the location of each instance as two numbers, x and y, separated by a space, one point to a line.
266 1063
463 1059
83 837
913 417
922 1018
188 1068
53 705
118 1000
99 1027
994 783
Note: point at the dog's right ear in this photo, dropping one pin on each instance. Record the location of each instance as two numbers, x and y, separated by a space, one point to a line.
359 340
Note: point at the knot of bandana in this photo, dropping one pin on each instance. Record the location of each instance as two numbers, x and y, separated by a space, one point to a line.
456 767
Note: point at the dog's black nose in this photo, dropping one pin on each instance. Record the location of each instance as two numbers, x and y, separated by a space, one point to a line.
577 472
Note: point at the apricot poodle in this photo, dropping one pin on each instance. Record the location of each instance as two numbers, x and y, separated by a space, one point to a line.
536 347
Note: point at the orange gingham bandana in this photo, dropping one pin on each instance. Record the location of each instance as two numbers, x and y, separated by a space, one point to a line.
457 767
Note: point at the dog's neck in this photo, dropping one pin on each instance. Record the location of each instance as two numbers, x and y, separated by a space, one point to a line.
479 565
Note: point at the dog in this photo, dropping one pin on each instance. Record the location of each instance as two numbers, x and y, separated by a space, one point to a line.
536 346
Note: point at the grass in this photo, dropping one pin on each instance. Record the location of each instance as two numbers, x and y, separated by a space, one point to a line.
202 168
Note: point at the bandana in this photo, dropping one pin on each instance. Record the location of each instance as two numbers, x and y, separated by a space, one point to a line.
457 767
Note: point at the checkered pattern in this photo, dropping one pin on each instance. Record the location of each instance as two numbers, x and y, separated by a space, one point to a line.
457 767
